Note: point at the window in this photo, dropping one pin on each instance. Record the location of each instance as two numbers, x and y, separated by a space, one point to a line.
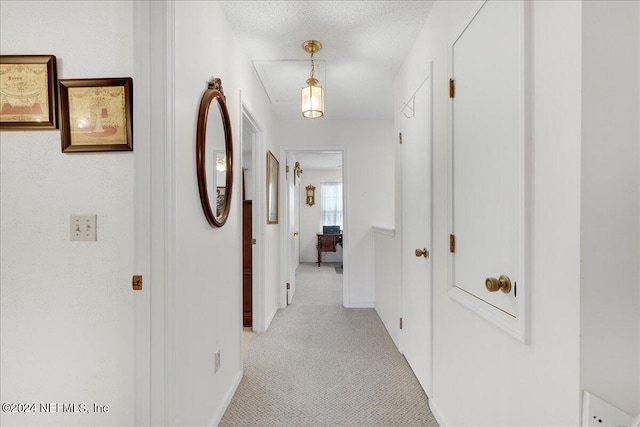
331 203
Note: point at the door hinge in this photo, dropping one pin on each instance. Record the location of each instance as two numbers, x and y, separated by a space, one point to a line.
254 241
400 137
136 283
401 323
286 169
288 286
452 88
452 243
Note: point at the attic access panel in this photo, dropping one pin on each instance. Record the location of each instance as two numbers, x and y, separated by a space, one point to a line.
488 119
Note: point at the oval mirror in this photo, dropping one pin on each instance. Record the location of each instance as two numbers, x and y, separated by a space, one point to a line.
214 155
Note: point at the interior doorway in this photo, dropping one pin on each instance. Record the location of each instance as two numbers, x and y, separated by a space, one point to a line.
251 204
314 226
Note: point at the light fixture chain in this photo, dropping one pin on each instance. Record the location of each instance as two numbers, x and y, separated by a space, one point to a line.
313 66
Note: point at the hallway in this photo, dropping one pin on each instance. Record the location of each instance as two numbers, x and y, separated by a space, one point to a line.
320 364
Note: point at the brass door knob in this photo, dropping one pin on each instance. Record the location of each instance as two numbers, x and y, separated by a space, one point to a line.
295 233
422 252
494 285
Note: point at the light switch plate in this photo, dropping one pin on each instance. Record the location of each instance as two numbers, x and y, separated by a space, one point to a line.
83 228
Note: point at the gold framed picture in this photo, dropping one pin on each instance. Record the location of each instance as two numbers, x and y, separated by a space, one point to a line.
96 114
28 98
273 174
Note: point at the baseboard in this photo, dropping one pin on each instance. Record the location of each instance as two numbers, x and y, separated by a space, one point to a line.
269 319
227 400
360 305
395 336
436 413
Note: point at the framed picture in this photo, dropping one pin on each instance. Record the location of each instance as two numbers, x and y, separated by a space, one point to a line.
273 167
96 114
28 98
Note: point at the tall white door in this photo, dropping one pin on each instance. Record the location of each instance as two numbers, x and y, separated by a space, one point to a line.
295 255
416 335
293 240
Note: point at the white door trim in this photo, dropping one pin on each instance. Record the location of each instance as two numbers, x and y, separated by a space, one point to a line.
284 226
154 213
142 211
259 181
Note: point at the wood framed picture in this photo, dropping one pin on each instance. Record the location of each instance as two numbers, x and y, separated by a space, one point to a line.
28 96
273 168
96 114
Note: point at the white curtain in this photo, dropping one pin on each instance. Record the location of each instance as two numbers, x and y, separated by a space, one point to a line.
331 203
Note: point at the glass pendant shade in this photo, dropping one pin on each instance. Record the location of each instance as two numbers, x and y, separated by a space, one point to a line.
312 101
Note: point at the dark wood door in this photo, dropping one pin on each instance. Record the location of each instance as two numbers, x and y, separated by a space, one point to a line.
247 261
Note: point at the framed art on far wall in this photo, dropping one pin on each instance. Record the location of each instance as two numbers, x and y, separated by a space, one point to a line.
28 98
272 188
96 114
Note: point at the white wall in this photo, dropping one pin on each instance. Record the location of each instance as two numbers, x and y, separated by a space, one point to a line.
610 288
208 261
66 307
368 185
482 376
388 273
310 215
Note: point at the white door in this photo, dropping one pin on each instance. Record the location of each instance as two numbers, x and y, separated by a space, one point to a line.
293 240
415 127
488 163
295 255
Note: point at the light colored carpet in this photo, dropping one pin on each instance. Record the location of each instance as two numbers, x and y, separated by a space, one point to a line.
248 336
324 365
317 285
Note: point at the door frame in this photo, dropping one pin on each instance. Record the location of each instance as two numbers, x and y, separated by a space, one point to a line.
287 240
154 213
258 264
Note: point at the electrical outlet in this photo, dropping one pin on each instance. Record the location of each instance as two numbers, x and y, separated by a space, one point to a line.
217 357
83 228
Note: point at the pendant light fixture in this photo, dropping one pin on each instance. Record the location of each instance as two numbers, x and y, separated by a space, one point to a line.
312 95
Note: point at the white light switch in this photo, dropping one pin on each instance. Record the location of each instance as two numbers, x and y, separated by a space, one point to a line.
83 228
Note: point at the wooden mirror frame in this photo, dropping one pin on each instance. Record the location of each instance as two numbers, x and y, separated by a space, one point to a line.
214 91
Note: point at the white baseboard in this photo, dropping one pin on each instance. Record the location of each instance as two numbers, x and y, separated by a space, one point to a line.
436 413
360 305
269 319
217 417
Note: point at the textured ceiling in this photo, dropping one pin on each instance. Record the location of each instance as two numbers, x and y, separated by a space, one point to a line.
319 160
364 44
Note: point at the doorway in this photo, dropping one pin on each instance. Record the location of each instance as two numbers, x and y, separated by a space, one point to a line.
314 228
251 204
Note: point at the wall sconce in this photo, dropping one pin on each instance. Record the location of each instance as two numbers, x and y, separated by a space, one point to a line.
297 170
312 95
221 164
